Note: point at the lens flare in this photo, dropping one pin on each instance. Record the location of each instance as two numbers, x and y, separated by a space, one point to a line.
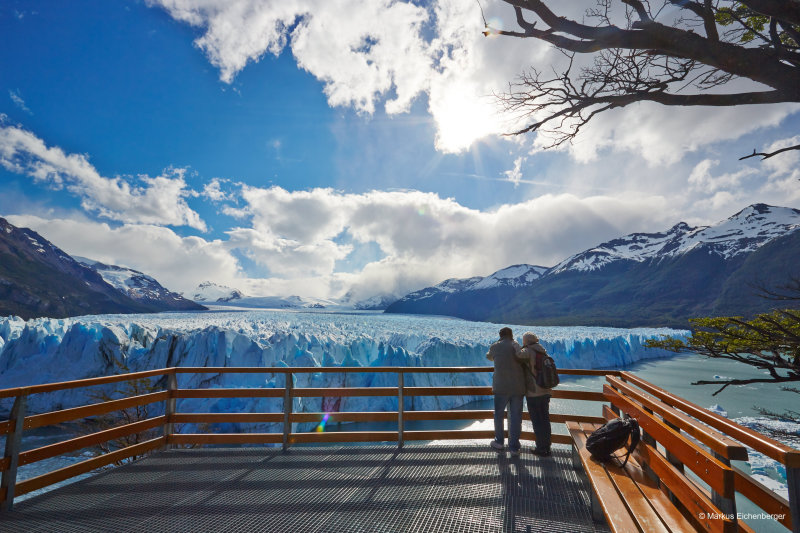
321 426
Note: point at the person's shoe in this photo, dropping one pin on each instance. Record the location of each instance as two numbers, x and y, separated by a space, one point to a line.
497 446
515 453
541 453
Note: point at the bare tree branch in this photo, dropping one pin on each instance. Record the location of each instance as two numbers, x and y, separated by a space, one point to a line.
640 59
745 382
767 155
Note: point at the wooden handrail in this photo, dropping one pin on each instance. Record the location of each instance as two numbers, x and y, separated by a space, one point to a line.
763 496
38 482
78 383
760 443
370 369
228 393
716 441
71 445
89 382
78 413
710 469
647 402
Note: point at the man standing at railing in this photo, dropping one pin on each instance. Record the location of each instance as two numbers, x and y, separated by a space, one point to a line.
508 386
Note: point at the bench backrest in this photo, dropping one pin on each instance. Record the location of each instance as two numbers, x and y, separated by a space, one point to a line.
707 497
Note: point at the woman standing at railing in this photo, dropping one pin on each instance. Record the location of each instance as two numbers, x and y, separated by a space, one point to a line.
508 387
538 397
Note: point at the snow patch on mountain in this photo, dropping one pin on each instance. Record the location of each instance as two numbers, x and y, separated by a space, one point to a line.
130 282
375 303
212 292
744 232
513 276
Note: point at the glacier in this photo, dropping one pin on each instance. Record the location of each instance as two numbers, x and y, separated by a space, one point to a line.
51 350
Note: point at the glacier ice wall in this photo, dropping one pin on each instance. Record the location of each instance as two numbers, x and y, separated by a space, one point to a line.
51 350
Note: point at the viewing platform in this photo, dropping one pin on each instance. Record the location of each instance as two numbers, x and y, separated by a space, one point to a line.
682 477
425 488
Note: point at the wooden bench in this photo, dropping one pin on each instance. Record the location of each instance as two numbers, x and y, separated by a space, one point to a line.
654 492
626 498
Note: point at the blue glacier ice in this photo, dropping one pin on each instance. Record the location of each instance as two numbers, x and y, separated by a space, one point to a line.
50 350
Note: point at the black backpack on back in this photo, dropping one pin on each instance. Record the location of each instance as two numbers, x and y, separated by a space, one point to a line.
612 436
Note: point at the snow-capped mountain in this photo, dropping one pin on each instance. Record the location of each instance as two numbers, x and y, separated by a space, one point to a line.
39 279
278 302
212 292
375 303
639 279
139 286
742 233
513 276
441 298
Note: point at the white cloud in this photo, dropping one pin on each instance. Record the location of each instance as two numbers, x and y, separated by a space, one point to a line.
213 190
157 200
424 238
18 101
663 135
702 180
178 263
365 51
515 174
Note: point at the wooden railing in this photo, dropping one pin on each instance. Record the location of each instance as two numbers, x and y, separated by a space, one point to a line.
712 434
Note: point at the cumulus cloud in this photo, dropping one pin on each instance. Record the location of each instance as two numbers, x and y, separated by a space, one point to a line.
155 200
371 51
368 51
663 135
702 179
178 263
423 238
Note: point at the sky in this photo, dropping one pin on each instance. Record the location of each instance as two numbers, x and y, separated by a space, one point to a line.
329 147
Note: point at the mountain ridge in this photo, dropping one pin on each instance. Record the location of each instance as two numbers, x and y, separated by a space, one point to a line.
641 279
140 287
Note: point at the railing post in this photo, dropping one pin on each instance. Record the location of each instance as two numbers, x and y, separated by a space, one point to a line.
170 407
674 461
13 445
793 481
287 410
726 505
400 408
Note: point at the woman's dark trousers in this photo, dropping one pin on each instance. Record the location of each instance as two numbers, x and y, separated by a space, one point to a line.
539 409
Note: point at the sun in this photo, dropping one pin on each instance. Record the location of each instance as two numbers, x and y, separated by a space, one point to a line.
463 116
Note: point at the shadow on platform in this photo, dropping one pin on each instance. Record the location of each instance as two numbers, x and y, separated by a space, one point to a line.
423 488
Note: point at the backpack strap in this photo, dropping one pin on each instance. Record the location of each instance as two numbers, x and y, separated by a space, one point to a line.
635 437
539 360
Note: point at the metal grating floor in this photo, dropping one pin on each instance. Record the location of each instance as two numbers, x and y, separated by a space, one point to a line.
461 487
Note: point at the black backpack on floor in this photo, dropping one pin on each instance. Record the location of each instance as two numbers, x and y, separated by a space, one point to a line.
612 436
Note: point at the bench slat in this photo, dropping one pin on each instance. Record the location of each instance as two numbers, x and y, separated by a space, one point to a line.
653 511
634 499
616 513
670 515
706 466
696 503
693 498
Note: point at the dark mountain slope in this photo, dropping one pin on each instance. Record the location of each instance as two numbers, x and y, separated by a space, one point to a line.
38 279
